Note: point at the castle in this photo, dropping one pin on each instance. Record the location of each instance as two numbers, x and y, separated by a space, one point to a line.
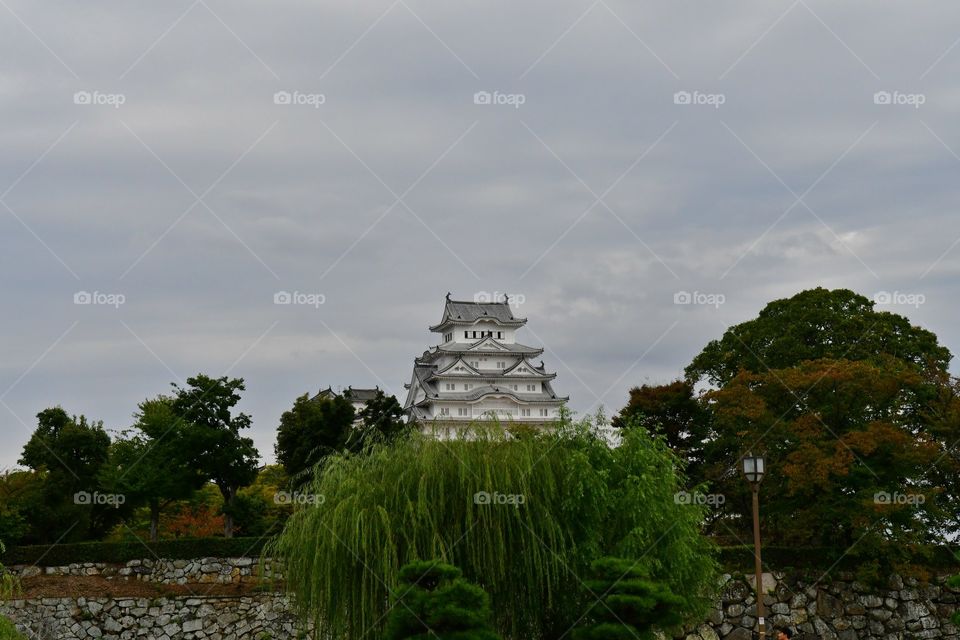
479 371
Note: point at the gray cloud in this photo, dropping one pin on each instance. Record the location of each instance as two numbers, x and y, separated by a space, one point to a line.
500 198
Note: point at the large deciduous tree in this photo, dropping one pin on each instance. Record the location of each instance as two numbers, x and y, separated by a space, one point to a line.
311 430
850 448
68 452
212 436
855 411
151 464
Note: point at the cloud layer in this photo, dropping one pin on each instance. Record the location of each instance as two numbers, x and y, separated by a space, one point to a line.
197 157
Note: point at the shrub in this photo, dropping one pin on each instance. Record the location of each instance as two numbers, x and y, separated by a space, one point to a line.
120 552
433 602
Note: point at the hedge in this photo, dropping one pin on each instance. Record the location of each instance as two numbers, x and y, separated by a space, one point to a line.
740 558
733 558
121 552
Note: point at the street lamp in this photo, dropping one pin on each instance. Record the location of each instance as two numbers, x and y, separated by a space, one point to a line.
753 470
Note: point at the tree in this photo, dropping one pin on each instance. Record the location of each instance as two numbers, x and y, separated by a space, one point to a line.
433 601
212 436
20 494
68 452
152 464
853 445
381 420
310 431
814 324
627 605
520 516
672 411
263 507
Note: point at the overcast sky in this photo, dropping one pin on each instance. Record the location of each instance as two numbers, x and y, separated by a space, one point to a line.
188 160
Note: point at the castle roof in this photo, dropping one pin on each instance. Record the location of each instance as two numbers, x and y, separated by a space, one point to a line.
470 312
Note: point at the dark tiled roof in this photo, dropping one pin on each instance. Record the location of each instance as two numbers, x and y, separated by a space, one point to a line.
463 311
351 394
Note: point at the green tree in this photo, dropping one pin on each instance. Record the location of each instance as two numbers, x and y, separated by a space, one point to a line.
814 324
521 516
260 508
68 452
151 465
627 604
310 431
212 436
381 420
673 411
20 494
433 601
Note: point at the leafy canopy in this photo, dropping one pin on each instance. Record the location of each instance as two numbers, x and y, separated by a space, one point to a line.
311 430
815 324
523 517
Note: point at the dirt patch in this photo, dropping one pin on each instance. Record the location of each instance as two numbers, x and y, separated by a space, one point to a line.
100 587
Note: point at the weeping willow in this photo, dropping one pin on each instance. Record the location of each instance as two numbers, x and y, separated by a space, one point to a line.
522 516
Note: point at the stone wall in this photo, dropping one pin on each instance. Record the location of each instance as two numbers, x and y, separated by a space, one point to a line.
162 571
834 609
257 617
838 609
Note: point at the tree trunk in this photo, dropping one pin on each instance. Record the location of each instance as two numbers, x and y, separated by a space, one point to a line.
228 495
154 520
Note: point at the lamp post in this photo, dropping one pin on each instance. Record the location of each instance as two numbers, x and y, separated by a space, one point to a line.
753 470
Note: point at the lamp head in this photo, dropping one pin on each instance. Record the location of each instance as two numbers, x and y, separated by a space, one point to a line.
753 468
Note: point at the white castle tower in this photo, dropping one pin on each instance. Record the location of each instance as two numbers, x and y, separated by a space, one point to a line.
479 371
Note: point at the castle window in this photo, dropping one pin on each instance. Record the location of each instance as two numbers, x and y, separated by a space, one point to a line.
499 334
463 412
531 387
525 412
466 334
451 386
444 411
543 412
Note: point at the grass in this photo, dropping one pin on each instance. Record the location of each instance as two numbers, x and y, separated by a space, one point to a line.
8 631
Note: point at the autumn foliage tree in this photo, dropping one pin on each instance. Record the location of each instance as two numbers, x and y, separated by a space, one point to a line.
854 409
850 446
